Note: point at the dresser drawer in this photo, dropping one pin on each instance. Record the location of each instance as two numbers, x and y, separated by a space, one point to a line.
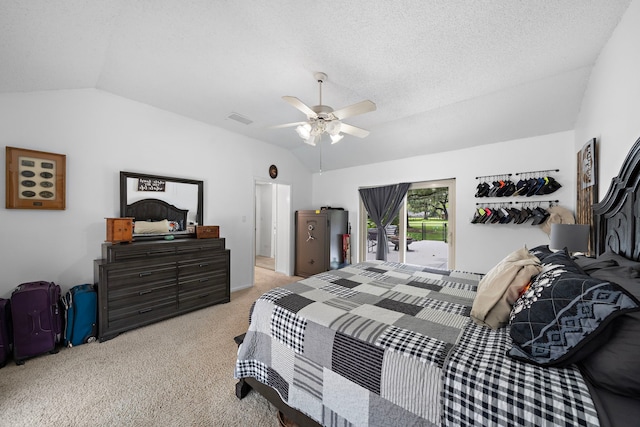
143 293
202 297
135 277
127 316
198 266
131 252
202 283
200 246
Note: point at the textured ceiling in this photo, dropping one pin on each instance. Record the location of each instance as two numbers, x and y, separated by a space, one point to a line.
444 74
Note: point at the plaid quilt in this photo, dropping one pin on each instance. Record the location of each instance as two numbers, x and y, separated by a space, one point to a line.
381 343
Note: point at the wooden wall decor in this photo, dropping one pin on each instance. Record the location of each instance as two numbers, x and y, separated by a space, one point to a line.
35 179
587 188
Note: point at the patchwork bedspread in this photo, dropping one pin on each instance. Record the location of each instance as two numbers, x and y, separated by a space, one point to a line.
381 343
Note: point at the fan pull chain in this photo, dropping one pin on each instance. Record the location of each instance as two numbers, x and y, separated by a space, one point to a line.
320 149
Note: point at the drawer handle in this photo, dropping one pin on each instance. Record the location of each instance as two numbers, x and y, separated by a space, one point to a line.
204 279
146 310
148 291
146 273
204 296
203 265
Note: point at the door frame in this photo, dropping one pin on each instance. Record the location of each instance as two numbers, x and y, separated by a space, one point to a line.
281 236
450 183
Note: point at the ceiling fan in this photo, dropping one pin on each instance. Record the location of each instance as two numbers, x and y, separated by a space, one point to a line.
322 118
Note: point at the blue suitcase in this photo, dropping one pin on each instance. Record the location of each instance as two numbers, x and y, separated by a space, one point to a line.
6 331
81 307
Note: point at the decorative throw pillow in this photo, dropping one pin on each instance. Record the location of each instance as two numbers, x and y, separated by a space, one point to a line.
148 227
615 365
620 260
563 259
541 252
561 318
592 264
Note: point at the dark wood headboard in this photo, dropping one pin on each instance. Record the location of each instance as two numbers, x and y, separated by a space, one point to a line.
155 210
617 216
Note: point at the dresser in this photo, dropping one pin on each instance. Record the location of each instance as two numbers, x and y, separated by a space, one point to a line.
143 282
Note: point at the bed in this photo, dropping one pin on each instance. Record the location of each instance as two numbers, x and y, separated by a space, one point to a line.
543 339
155 217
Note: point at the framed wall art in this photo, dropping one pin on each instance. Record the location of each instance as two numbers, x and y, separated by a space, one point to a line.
35 179
587 187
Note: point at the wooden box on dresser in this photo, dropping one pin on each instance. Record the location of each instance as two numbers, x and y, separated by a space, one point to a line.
143 282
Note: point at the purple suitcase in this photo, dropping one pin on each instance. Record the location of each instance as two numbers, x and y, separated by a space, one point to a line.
6 339
37 319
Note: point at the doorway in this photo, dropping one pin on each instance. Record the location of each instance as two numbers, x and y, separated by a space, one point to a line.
272 224
425 235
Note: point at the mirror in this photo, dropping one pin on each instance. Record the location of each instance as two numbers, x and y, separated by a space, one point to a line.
155 197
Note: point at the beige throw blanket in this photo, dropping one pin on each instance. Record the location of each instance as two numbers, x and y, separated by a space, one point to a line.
501 286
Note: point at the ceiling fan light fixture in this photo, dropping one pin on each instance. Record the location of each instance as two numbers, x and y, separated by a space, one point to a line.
333 127
304 131
312 140
324 119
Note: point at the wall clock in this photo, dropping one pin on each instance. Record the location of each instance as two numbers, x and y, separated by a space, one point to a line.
273 171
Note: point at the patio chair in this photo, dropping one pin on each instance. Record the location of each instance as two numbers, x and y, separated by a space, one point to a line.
372 239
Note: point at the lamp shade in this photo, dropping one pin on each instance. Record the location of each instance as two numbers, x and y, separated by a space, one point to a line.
574 237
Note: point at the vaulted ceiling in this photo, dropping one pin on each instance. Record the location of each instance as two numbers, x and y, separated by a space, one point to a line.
444 74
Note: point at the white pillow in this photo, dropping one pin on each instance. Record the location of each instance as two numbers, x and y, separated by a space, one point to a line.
149 227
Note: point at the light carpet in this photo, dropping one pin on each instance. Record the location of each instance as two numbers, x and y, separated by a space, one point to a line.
178 372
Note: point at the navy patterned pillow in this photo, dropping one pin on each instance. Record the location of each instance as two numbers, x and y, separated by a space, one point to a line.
563 315
541 252
563 259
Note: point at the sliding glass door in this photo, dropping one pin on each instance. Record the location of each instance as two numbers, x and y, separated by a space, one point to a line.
423 231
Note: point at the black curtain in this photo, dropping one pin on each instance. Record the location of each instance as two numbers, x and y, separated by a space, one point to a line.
383 204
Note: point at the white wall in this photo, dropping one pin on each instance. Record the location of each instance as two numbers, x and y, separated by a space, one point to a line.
610 112
284 226
610 109
102 134
478 246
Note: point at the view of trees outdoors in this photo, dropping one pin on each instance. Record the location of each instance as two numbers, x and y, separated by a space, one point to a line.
427 214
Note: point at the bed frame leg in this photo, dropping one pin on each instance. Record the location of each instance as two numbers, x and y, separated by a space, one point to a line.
242 389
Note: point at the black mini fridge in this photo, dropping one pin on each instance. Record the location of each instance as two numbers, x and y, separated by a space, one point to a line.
319 240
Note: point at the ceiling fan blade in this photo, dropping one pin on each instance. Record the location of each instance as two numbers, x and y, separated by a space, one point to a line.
355 109
287 125
300 106
352 130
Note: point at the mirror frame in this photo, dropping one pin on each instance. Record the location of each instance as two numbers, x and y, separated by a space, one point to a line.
123 191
